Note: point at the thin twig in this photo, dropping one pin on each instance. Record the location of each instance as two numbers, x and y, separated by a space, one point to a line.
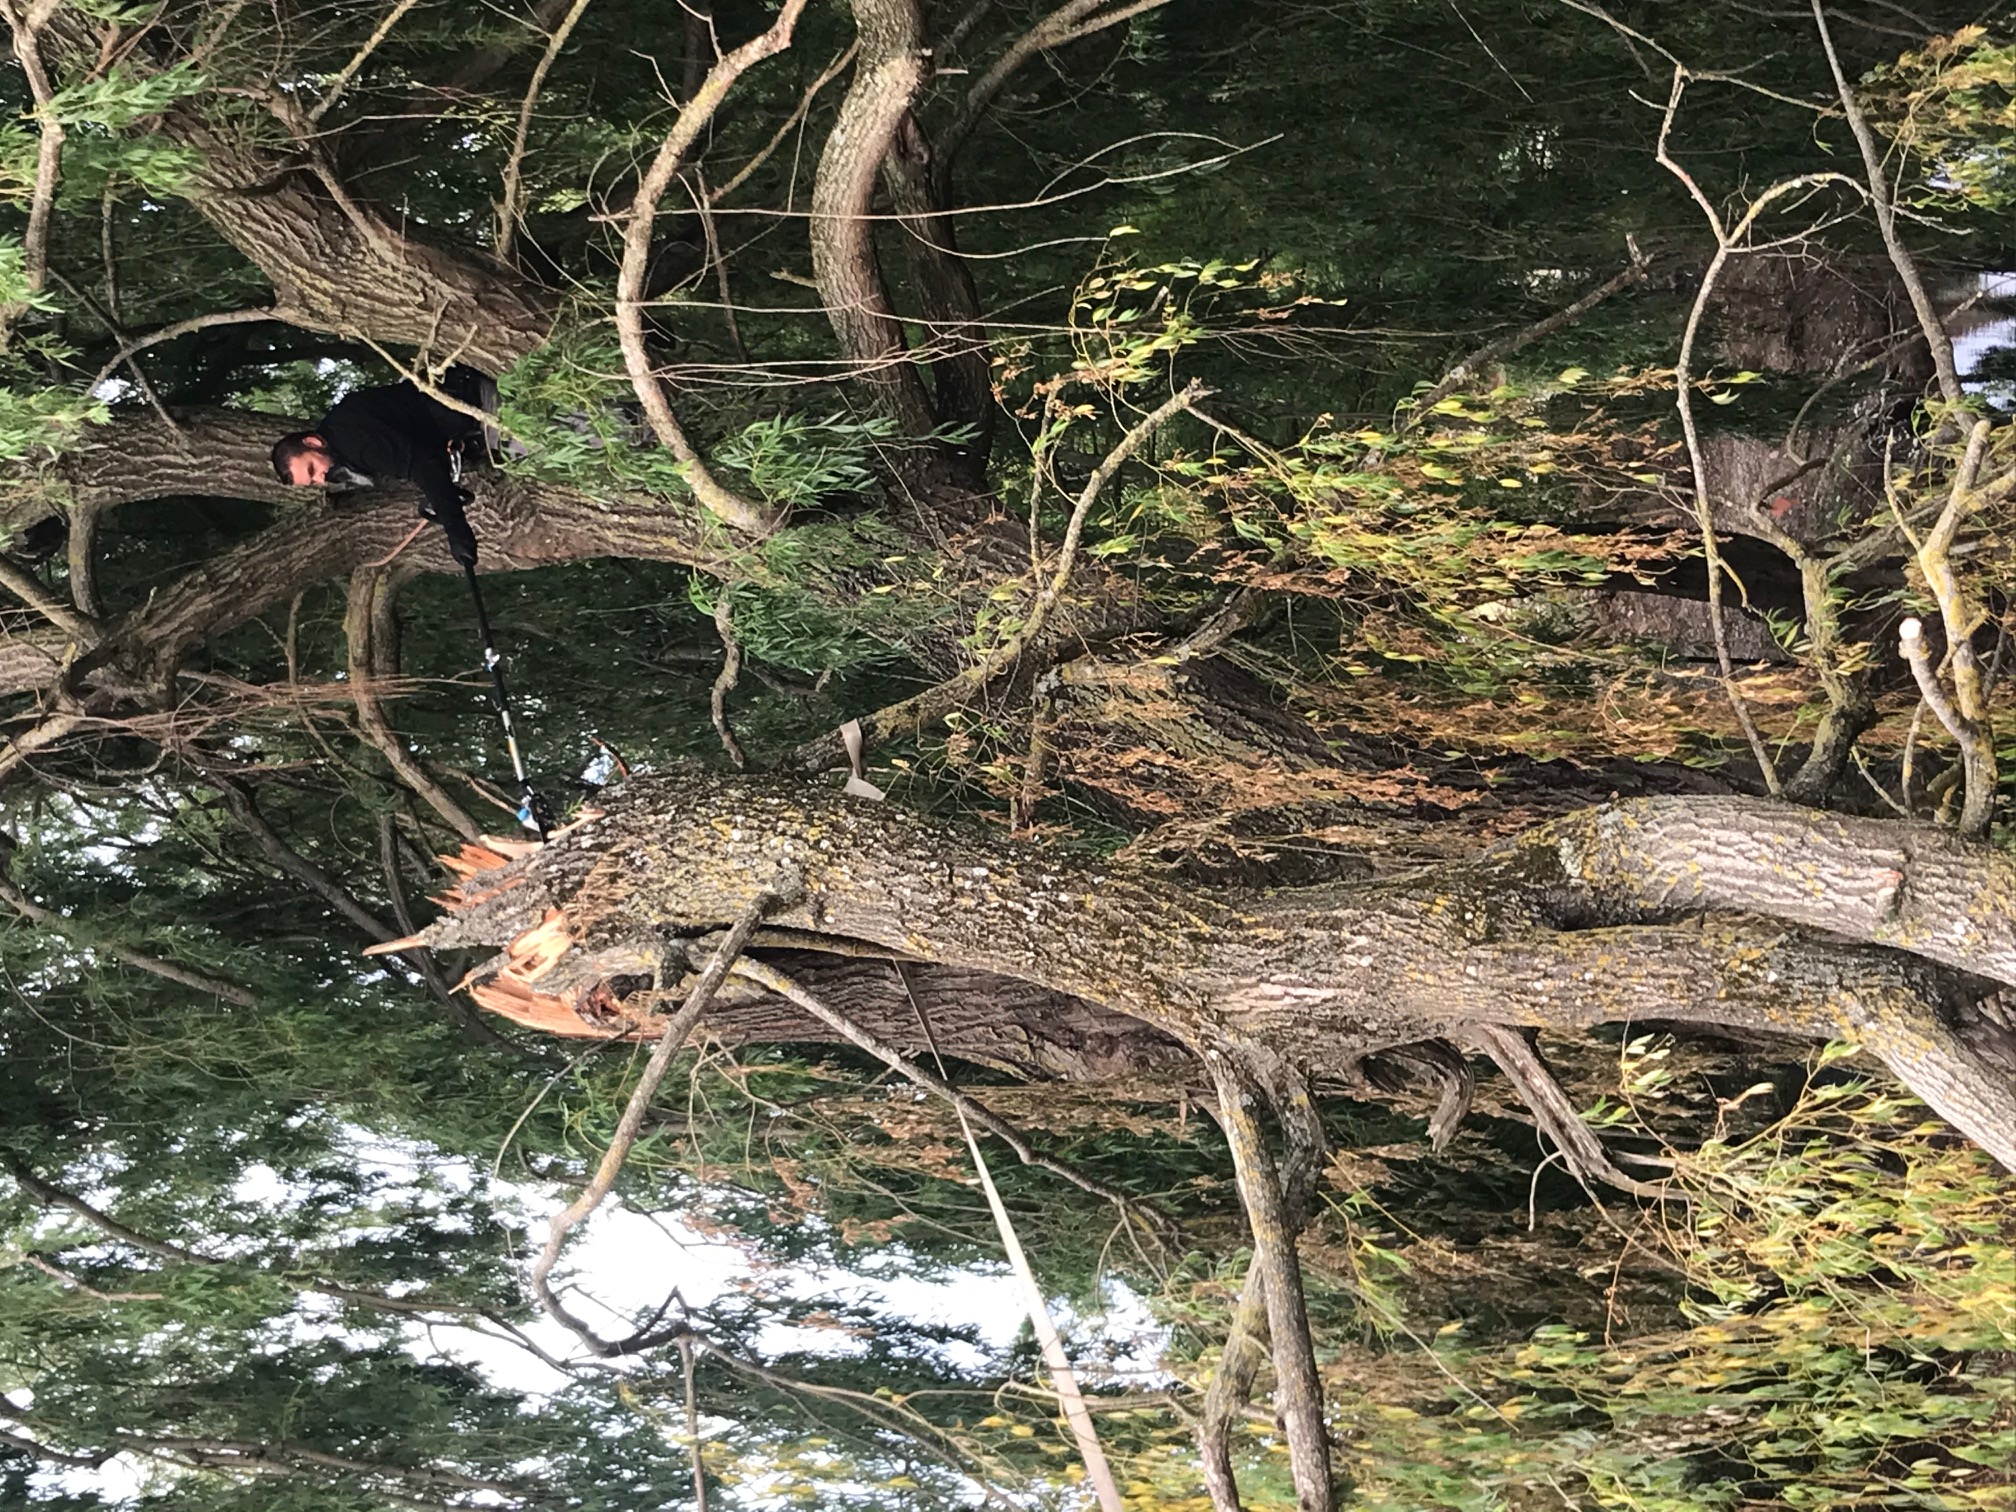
1070 22
793 992
349 71
693 1428
1936 338
730 506
937 701
507 207
790 124
1728 241
677 1028
56 923
731 670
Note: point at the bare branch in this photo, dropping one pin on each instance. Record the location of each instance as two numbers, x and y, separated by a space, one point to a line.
693 1428
1558 1118
24 587
1298 1390
349 71
935 702
367 618
1967 716
1977 752
731 669
735 510
1728 242
1070 22
790 124
51 1195
26 25
1518 341
184 328
507 208
1878 185
677 1028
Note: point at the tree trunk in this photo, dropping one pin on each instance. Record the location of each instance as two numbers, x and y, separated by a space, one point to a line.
1578 923
844 263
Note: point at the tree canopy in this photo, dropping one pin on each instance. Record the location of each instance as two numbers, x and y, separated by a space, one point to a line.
1310 690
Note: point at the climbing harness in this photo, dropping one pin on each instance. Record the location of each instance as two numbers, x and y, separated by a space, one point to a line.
532 810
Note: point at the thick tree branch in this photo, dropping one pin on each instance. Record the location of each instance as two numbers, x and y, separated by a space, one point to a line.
886 79
1582 922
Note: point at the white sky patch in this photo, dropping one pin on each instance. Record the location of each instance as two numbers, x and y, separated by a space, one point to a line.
1977 338
622 1264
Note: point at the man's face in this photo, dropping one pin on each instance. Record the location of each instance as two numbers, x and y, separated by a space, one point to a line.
308 468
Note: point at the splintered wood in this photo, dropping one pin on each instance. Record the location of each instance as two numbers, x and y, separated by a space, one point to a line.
583 1002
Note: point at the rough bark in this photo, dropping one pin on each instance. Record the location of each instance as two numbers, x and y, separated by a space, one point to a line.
358 274
521 523
946 296
336 262
890 69
1576 925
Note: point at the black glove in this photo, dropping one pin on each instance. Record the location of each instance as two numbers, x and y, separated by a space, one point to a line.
454 523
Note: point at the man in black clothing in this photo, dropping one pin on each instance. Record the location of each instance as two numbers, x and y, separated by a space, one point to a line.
396 433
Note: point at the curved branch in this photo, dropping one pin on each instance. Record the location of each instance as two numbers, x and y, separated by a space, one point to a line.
79 627
1069 23
183 328
735 510
507 208
842 232
367 623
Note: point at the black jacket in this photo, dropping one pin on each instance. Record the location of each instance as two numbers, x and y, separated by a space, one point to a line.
397 433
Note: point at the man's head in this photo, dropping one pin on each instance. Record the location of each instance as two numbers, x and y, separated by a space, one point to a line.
302 459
